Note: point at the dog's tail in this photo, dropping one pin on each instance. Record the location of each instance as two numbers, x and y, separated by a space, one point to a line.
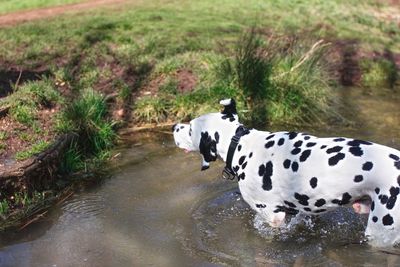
229 106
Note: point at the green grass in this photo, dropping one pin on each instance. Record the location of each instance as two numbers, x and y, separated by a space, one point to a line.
7 6
87 117
157 38
33 150
25 100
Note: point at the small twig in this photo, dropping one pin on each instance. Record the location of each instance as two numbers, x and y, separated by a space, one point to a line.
64 198
37 217
17 82
148 127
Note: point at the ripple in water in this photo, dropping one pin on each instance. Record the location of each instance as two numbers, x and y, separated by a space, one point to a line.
225 230
86 206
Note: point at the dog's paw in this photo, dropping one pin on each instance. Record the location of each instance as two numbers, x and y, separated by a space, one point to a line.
277 219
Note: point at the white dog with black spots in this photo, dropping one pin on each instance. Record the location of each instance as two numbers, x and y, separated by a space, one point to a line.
283 173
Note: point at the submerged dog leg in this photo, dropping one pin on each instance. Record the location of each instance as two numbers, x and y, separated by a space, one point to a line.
362 206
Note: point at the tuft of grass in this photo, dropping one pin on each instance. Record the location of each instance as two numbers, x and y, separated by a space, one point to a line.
33 150
25 101
379 73
73 160
150 109
87 117
4 207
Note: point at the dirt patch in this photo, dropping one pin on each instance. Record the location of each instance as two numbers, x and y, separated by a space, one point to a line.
343 59
183 79
29 15
11 77
187 81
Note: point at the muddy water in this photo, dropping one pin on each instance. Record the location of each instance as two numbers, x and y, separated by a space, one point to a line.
158 209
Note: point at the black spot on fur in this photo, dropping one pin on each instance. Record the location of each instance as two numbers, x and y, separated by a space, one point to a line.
384 199
241 160
335 159
290 204
340 139
281 141
304 156
387 220
313 182
307 209
320 202
298 143
268 171
206 146
270 136
392 156
397 165
244 165
391 202
303 199
287 163
394 191
239 147
241 176
295 166
356 142
367 166
374 219
372 205
290 211
311 144
345 199
358 178
296 151
269 144
251 154
261 206
334 149
228 116
306 137
236 168
292 135
322 147
216 135
356 151
377 190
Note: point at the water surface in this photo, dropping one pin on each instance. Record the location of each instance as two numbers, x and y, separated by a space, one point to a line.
157 208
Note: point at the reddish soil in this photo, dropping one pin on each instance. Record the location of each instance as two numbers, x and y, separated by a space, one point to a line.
185 78
29 15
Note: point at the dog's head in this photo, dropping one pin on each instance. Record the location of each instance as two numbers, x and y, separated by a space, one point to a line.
206 133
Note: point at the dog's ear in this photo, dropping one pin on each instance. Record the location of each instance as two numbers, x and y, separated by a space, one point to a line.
229 106
208 150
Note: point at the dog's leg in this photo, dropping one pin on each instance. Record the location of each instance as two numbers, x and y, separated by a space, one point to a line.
383 223
274 219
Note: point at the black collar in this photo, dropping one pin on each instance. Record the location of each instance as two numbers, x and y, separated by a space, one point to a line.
228 172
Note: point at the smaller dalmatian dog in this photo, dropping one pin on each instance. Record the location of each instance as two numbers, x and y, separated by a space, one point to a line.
283 173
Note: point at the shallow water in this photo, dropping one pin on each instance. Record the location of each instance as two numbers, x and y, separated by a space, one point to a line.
157 208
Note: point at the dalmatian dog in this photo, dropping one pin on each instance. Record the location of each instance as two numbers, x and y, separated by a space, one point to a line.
283 173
